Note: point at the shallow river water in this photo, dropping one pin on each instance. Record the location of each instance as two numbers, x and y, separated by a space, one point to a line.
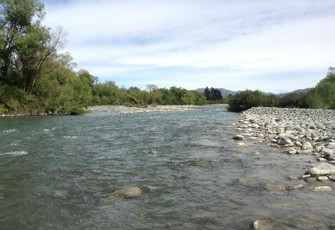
56 171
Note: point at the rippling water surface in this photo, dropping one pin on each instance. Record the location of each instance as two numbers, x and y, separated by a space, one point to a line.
56 172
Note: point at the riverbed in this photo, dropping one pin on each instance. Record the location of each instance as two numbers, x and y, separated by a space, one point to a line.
58 172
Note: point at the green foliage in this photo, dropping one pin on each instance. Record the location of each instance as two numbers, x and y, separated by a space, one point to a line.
246 99
323 95
293 100
35 78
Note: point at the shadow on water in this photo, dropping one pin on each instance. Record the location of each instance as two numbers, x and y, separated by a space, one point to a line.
191 173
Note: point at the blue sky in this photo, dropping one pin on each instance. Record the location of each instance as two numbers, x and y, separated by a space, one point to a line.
274 46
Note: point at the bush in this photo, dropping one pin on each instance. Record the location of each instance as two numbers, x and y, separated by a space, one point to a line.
247 99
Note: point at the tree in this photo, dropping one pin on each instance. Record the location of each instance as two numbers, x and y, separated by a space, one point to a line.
212 94
207 93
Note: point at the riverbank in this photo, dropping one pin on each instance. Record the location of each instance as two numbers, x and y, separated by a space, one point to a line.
295 131
149 109
123 109
300 134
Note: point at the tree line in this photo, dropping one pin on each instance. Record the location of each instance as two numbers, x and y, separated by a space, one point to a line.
322 96
36 78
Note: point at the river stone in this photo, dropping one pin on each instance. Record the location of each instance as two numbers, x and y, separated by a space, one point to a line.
267 225
322 189
283 141
322 169
322 178
274 187
296 187
322 160
128 192
238 137
292 151
331 145
329 154
298 143
307 146
241 144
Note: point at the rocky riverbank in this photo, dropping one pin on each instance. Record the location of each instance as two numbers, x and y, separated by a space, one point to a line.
122 110
129 110
295 131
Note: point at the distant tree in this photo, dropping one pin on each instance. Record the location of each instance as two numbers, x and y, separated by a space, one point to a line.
212 94
207 93
151 88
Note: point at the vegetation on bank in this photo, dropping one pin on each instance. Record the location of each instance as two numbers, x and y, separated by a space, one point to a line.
36 78
322 96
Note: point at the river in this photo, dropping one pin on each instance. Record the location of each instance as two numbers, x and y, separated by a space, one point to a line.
55 172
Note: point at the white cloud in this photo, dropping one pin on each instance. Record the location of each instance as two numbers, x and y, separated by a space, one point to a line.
219 39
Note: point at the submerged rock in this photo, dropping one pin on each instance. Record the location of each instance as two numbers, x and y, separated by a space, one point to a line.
238 137
128 192
274 187
241 144
267 225
296 187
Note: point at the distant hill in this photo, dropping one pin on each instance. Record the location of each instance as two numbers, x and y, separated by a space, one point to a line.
224 92
298 91
227 92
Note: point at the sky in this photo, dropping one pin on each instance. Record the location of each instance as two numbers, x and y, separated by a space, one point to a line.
274 46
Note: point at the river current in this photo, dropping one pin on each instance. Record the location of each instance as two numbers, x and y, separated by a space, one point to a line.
55 172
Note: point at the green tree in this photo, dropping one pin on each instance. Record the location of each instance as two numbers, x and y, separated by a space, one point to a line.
25 45
207 93
323 95
246 99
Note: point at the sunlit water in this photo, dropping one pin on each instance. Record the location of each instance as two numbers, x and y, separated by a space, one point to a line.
56 171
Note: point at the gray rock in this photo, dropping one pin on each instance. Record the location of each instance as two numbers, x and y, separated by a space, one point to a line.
283 140
319 148
322 178
241 145
274 187
307 146
296 187
292 151
322 160
238 137
322 189
322 169
298 143
331 145
328 154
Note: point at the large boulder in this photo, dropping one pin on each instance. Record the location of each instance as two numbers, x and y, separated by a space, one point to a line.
322 169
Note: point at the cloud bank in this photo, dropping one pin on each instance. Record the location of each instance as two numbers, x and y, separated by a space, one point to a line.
274 46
